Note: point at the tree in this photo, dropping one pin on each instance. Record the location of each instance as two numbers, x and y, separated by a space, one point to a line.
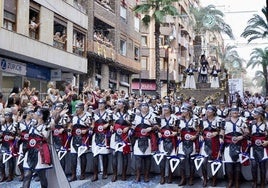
257 27
208 19
259 57
155 11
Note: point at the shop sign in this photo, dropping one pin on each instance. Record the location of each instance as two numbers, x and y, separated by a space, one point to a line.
10 66
144 86
55 75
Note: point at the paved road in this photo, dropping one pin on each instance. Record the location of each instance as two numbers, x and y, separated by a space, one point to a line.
130 183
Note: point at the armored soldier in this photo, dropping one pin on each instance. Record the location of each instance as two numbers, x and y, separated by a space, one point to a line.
8 136
38 157
188 134
168 139
259 143
222 110
101 138
210 127
120 140
23 132
178 106
143 125
79 129
233 132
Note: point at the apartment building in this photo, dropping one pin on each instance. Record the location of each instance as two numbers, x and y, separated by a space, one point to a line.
42 40
176 51
113 44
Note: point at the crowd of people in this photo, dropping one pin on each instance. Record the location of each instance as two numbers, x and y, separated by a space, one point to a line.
175 132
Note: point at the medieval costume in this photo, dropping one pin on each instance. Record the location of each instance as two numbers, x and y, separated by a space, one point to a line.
168 139
233 135
188 146
214 81
143 125
210 147
101 138
120 140
203 70
190 80
38 157
8 147
259 149
80 137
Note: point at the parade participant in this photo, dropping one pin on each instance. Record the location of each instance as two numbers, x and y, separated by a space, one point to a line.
23 131
188 135
210 127
79 129
38 157
8 146
178 106
222 110
248 112
120 137
101 138
259 143
190 80
154 106
168 139
233 132
197 110
203 70
214 77
59 131
143 125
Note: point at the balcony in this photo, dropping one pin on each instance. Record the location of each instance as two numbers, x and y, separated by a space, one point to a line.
40 53
103 50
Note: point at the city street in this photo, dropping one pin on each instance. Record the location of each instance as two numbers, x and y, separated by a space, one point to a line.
130 183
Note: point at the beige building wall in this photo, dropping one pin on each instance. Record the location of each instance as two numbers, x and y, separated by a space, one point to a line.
22 13
46 27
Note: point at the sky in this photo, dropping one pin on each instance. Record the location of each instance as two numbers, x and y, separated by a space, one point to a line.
237 13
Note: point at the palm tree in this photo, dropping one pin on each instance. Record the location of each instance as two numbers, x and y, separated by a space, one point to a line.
259 57
208 19
155 11
259 81
257 27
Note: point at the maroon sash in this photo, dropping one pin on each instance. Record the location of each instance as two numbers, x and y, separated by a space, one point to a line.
124 136
166 133
215 143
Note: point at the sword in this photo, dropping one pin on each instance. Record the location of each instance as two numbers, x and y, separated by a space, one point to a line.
217 163
63 150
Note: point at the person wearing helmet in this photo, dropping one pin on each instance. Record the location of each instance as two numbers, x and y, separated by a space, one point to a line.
143 125
168 139
8 136
101 138
188 136
23 132
178 106
210 149
222 110
59 130
259 144
38 156
79 130
121 137
233 134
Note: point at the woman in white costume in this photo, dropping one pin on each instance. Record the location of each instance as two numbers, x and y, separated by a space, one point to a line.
190 80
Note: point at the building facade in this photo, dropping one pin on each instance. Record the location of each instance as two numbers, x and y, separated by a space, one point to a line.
41 41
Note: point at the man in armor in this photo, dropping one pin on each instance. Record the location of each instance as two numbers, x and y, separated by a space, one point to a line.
188 135
210 127
79 129
232 134
178 106
143 125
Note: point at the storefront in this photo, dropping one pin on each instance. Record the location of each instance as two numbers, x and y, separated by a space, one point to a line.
144 87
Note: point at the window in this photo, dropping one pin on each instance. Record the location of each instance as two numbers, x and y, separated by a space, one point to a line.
10 13
112 74
124 78
123 13
98 68
34 20
60 35
79 40
161 41
144 40
144 63
137 23
123 47
162 64
136 53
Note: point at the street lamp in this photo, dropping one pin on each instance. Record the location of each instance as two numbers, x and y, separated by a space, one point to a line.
166 47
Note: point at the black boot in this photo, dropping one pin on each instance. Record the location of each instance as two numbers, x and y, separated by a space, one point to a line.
105 166
124 168
147 169
11 170
83 167
183 180
204 172
21 172
95 169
